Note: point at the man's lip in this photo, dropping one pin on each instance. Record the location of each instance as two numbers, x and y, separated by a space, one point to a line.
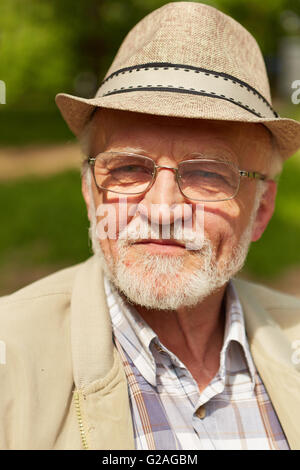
161 242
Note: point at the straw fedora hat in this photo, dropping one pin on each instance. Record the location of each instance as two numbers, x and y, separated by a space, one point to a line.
187 60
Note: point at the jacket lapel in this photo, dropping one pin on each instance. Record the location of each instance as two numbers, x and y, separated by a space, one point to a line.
272 354
101 398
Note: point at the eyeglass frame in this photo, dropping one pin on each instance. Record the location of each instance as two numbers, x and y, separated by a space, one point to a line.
249 174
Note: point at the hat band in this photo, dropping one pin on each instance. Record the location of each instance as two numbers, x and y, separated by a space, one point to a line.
180 78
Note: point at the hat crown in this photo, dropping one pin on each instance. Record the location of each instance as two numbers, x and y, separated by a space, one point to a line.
197 35
187 60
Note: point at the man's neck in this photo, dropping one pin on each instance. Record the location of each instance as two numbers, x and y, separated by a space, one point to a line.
195 334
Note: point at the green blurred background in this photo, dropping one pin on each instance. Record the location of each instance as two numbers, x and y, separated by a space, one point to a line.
51 46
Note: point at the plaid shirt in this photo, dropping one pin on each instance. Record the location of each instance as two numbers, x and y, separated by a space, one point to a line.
232 412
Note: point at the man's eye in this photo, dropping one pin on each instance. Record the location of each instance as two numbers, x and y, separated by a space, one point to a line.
129 169
208 174
205 174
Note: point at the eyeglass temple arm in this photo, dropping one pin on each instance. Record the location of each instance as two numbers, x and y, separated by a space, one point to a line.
253 174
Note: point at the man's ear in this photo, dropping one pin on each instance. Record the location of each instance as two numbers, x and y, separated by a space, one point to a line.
265 210
86 195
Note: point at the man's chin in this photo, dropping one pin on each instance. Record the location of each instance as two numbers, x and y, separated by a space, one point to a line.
163 282
164 290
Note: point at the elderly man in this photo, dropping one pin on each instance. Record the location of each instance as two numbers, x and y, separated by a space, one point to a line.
151 343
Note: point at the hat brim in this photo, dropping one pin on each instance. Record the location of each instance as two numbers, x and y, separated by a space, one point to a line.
76 112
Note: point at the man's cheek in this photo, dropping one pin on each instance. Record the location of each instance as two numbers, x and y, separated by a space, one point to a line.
106 222
109 251
221 223
223 237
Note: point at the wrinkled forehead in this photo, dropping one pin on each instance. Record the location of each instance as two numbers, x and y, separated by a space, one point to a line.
241 142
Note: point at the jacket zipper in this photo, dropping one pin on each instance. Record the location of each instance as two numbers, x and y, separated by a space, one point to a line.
80 420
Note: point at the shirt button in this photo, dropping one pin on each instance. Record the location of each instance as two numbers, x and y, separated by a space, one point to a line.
201 412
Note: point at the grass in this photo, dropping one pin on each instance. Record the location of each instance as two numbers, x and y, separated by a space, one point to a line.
43 221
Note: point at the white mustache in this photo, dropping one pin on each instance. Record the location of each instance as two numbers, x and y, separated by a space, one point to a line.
139 228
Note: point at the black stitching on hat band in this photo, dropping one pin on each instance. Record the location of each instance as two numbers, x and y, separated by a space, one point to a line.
166 66
187 91
240 98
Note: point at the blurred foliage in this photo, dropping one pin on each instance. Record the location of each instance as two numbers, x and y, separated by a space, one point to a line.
279 246
22 127
36 52
51 46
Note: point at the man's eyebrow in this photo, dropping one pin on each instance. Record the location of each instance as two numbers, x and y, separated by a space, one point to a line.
222 156
135 150
213 155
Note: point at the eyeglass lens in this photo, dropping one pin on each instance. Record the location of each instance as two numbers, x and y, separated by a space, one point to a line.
198 179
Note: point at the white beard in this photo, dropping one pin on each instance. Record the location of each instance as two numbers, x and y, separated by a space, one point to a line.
168 282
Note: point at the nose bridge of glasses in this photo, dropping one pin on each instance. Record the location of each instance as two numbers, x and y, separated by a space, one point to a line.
167 167
164 205
164 193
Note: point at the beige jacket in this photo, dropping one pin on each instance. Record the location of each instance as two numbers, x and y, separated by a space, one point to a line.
63 385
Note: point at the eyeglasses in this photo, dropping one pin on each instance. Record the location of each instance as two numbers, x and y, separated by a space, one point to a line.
200 179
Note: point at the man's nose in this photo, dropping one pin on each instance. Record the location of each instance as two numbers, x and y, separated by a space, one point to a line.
164 202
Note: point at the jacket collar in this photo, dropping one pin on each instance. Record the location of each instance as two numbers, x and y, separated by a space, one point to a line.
101 396
91 333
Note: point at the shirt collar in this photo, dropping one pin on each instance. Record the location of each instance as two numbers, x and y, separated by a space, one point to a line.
235 330
136 336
